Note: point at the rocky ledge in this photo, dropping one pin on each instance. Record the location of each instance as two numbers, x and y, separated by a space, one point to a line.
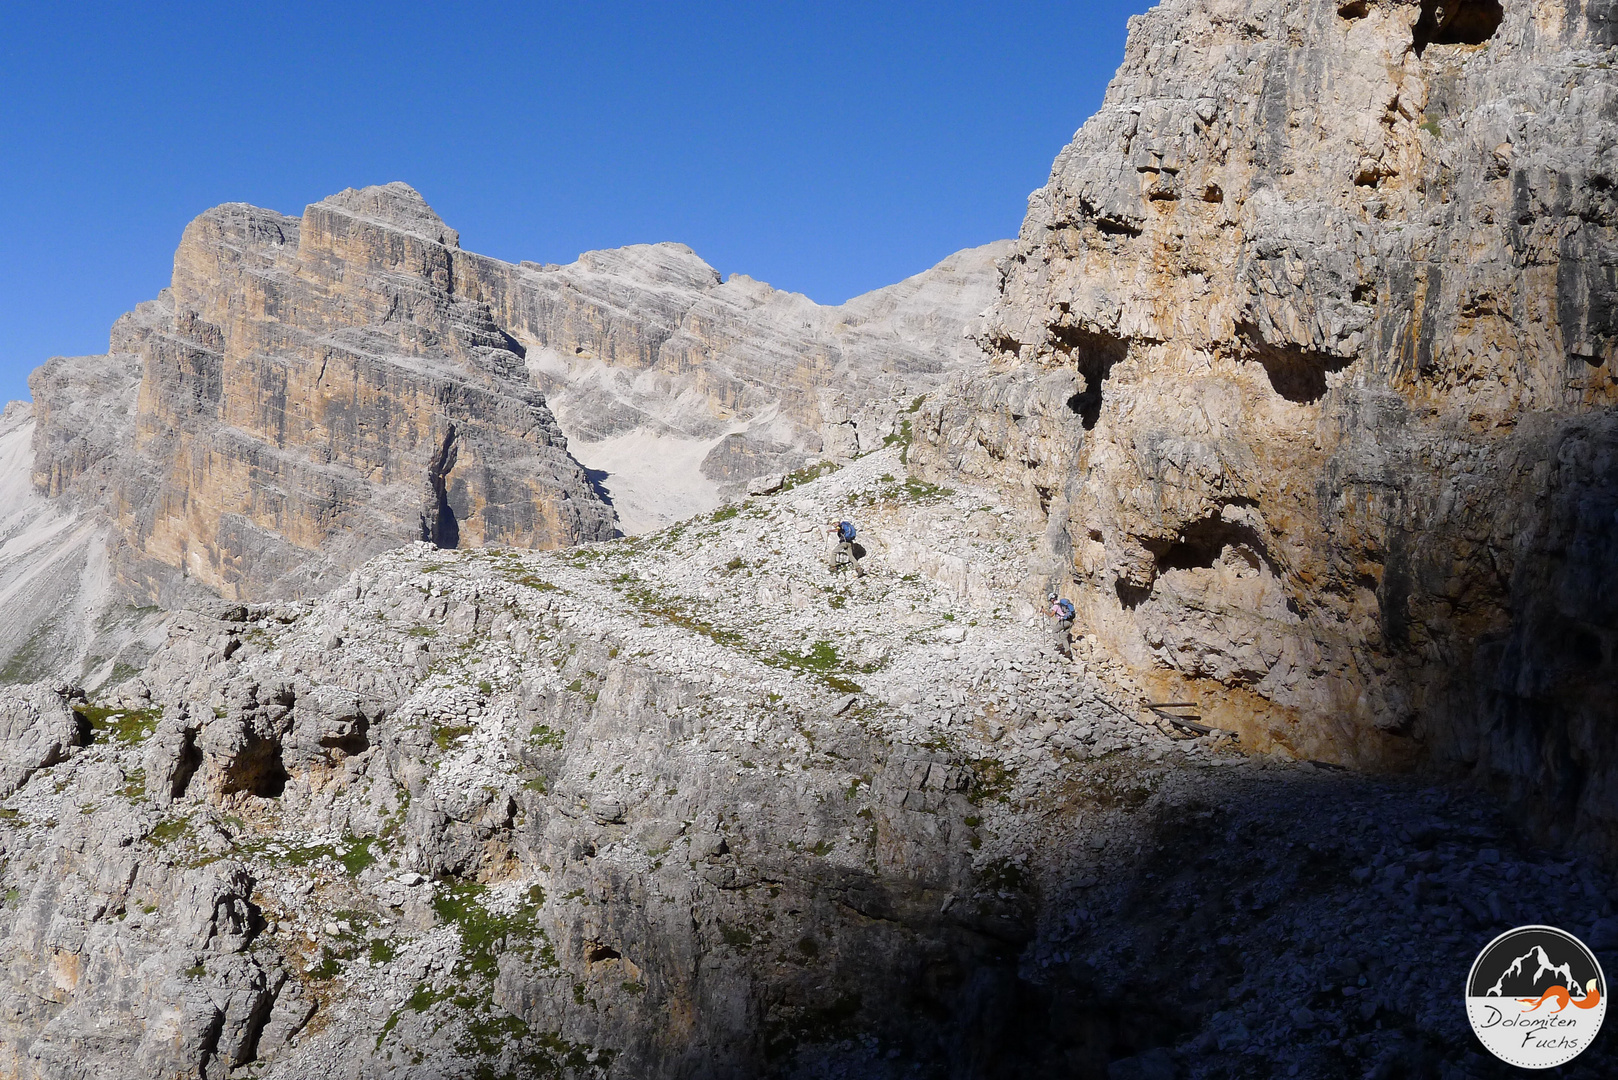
692 804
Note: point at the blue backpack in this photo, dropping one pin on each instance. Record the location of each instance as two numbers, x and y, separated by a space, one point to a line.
845 531
1065 606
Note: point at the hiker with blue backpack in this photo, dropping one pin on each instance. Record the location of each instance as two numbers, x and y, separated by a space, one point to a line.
1061 614
843 548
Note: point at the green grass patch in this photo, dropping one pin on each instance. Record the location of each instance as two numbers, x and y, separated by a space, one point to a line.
544 735
134 785
534 582
900 438
130 727
920 491
805 475
675 611
358 856
910 491
330 966
819 657
446 734
1003 875
737 937
422 998
353 853
821 660
485 935
991 780
168 830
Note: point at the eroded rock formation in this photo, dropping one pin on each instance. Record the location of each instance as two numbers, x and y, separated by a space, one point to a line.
695 805
1309 351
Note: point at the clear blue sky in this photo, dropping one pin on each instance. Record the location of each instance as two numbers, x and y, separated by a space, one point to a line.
827 148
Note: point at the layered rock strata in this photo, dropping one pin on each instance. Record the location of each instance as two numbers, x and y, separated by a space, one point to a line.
311 391
57 586
1308 352
672 380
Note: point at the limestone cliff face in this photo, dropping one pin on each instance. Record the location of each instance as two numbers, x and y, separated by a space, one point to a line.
649 336
650 359
311 391
1309 350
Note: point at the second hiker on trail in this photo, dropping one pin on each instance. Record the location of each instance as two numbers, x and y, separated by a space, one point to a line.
842 548
1061 615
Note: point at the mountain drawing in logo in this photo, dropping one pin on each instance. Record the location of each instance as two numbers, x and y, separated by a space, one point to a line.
1561 975
1532 961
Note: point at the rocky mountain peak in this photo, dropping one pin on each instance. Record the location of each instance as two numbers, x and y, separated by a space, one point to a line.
396 206
666 264
1298 381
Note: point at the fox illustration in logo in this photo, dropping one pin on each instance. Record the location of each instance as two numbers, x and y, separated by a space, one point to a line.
1560 995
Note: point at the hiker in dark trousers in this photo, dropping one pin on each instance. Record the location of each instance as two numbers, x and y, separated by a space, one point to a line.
842 548
1061 615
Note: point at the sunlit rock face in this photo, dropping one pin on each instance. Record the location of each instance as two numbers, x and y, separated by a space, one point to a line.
1307 350
312 391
